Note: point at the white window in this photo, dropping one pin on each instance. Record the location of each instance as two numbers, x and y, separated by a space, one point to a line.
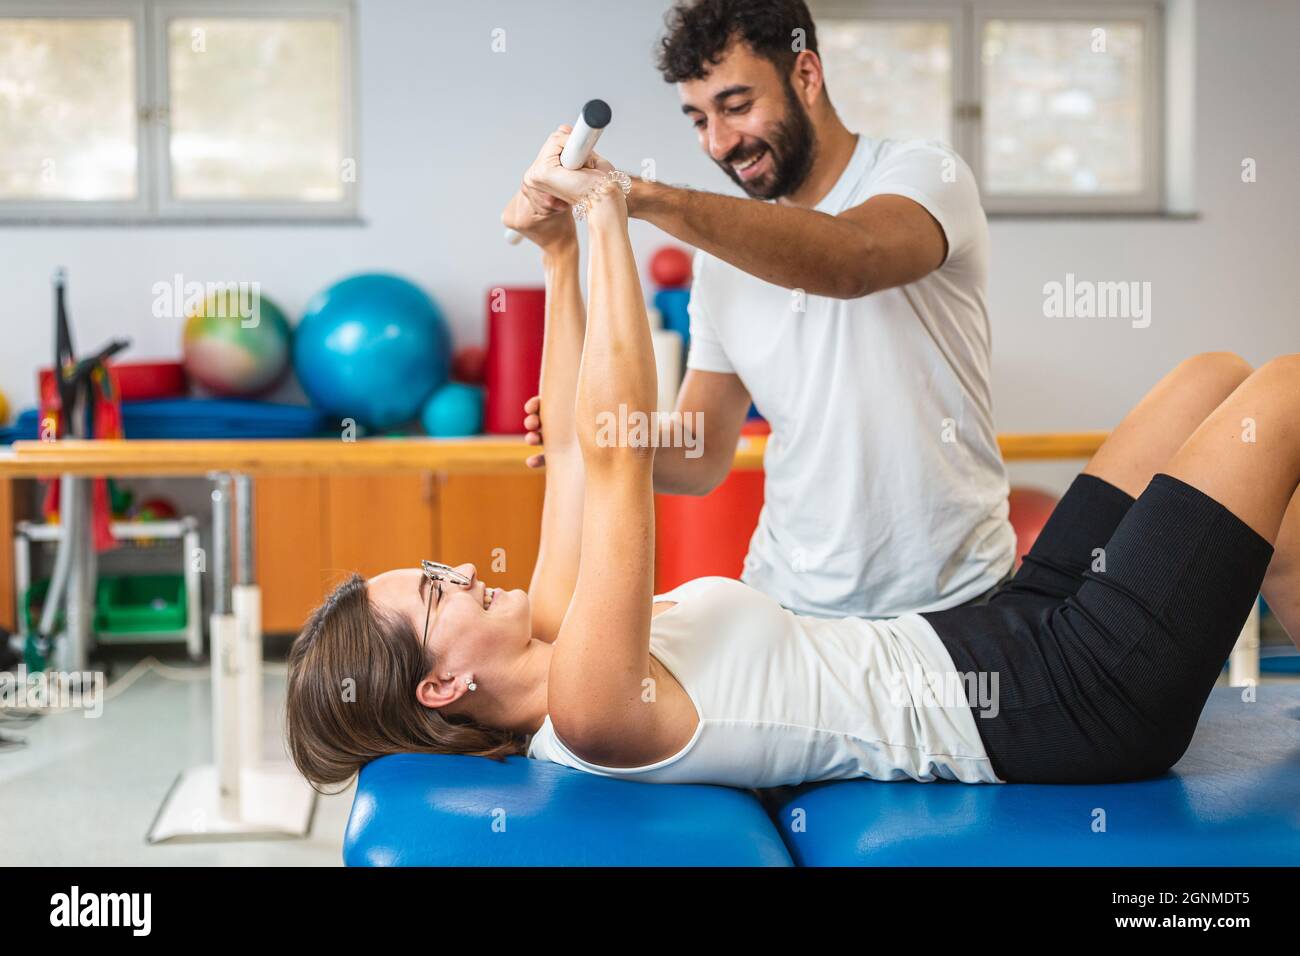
177 108
1056 106
892 72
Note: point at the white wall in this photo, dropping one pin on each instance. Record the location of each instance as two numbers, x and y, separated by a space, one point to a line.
430 82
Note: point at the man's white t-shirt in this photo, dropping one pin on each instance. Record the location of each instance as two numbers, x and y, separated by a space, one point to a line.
885 489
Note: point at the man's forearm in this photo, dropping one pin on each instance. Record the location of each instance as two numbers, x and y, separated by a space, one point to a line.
687 464
677 474
785 245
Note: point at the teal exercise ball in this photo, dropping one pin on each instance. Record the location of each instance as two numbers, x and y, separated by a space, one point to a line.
454 411
372 348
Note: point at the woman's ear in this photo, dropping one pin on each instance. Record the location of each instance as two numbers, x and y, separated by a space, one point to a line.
439 690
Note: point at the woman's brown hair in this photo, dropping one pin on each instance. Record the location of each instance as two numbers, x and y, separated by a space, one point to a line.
353 674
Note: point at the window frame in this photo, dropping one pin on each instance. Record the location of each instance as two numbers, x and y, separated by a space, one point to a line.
154 201
163 12
1150 197
949 12
969 18
94 209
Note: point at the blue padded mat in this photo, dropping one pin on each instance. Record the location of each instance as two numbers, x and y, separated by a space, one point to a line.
431 810
1233 800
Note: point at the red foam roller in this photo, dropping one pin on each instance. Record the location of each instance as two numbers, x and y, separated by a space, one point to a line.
516 321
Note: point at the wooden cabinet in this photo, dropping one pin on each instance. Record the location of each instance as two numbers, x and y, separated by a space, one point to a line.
376 523
8 517
493 522
290 548
312 532
17 503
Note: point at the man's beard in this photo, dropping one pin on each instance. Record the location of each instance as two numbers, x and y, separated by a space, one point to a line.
792 147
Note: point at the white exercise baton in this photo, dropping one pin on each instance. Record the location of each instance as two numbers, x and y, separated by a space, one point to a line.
593 119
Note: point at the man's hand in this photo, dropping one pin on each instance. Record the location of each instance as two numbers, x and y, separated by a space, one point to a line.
547 176
533 429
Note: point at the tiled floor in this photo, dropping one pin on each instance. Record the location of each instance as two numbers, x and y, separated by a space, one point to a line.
85 791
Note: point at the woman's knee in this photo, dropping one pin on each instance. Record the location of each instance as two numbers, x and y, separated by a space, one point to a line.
1273 391
1283 368
1218 371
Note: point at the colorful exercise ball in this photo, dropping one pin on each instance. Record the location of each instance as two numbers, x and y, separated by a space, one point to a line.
670 267
372 348
454 411
236 343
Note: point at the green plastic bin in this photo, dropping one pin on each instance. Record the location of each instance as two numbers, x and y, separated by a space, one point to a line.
140 603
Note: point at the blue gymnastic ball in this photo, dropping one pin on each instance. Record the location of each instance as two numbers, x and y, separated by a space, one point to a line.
454 411
373 348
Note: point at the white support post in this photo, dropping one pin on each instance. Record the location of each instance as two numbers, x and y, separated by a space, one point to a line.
226 669
190 565
1243 665
246 602
236 795
226 677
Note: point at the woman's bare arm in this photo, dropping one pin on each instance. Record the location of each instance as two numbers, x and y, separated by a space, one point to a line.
597 698
556 570
551 227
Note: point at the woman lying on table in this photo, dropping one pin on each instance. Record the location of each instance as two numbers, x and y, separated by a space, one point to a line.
1091 665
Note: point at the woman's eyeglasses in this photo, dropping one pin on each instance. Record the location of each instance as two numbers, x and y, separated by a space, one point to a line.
437 573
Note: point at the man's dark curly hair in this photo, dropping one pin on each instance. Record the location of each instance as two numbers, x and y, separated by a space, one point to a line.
698 31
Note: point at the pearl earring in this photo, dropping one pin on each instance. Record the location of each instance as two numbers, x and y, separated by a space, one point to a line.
469 682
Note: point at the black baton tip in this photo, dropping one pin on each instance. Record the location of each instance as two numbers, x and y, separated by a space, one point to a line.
597 114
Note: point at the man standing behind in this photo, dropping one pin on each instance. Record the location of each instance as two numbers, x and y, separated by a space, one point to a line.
849 303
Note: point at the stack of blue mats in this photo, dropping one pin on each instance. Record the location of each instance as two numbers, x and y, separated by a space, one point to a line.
200 418
220 418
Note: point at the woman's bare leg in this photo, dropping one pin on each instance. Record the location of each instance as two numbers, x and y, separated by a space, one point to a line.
1282 582
1153 432
1149 437
1246 454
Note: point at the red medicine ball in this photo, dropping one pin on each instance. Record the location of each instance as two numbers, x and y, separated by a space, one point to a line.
670 267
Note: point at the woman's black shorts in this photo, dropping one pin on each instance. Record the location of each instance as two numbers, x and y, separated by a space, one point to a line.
1096 659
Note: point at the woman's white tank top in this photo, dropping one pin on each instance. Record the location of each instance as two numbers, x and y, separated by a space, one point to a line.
783 698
